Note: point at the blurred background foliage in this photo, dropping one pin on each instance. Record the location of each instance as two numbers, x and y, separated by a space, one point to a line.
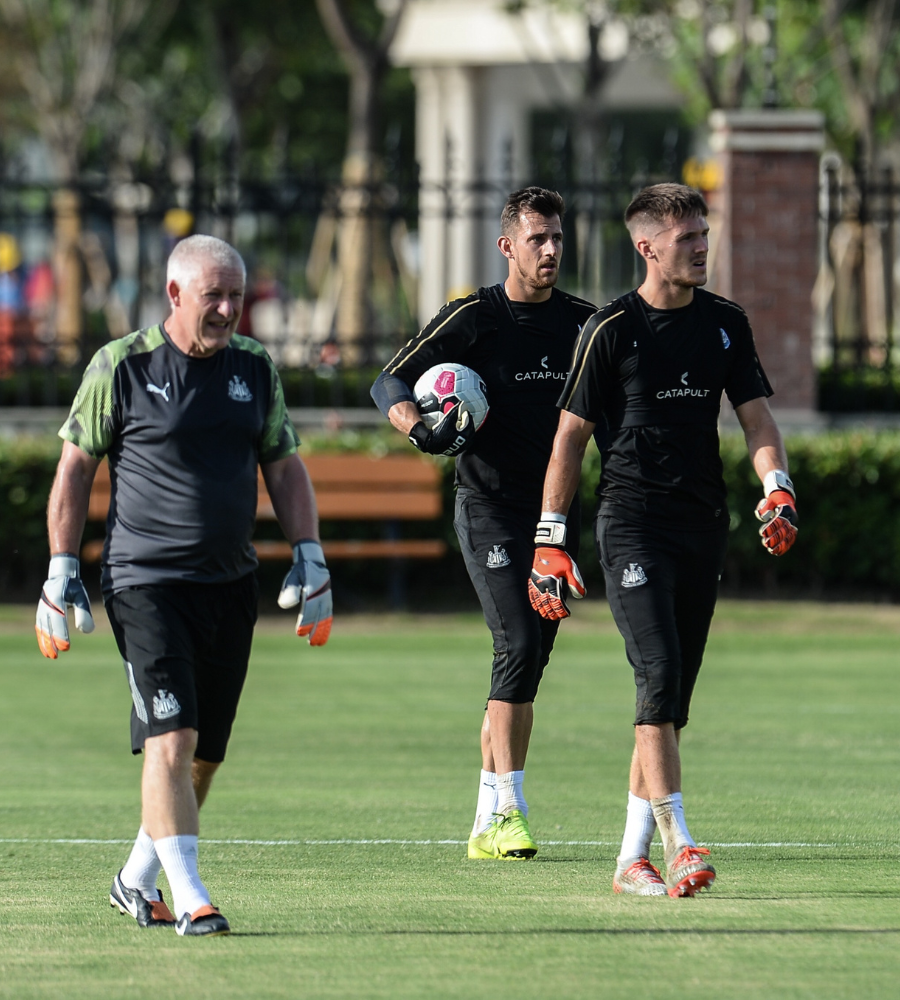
848 489
133 80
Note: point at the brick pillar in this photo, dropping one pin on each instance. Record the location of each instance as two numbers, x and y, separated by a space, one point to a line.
765 219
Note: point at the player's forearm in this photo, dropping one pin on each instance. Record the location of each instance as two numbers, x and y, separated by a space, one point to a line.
561 482
66 517
67 507
765 444
564 470
404 416
293 498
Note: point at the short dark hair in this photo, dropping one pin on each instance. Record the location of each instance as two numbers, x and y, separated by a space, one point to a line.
661 202
530 199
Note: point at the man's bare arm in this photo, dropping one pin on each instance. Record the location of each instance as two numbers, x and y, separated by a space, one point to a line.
778 509
404 416
293 498
68 505
564 471
764 441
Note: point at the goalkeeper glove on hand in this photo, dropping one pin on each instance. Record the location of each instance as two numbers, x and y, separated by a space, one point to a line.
62 588
451 435
554 575
308 583
778 512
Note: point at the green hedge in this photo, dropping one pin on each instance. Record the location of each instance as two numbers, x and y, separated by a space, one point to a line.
840 390
848 487
859 390
320 387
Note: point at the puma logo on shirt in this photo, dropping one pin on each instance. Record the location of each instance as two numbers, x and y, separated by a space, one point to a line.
164 392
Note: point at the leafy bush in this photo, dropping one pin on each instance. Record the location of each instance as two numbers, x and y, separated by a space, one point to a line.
859 390
848 488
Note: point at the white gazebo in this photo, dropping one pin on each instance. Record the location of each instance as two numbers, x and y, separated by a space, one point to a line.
479 72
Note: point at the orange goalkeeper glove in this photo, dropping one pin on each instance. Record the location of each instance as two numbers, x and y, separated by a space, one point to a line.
63 589
778 512
554 575
308 583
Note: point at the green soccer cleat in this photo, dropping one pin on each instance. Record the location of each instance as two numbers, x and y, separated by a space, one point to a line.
513 838
482 846
507 838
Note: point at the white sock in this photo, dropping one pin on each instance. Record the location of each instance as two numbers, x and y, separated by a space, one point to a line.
669 814
509 793
640 825
487 802
142 867
179 859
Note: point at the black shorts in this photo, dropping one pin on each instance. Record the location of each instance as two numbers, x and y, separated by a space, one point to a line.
661 585
497 542
186 649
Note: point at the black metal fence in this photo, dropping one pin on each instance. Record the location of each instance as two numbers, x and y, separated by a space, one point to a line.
856 294
82 264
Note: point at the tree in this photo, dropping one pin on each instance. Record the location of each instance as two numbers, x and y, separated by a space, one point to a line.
65 54
864 44
358 222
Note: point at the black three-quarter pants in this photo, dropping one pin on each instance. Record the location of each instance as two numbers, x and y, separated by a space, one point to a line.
186 648
497 542
661 585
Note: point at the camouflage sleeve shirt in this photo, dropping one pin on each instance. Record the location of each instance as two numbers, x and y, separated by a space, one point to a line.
184 437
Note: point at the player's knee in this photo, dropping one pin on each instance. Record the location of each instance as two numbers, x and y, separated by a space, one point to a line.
174 749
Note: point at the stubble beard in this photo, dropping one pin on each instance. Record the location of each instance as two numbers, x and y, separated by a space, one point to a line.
691 280
536 280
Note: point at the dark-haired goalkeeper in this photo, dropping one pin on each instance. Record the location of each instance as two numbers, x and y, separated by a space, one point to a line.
647 379
518 336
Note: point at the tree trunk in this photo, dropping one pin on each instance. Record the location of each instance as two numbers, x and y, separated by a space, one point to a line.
67 274
362 227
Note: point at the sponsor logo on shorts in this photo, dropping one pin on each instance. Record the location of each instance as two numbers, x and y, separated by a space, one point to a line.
139 707
165 705
498 558
238 390
634 576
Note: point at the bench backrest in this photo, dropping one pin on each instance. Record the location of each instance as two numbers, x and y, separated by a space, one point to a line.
348 487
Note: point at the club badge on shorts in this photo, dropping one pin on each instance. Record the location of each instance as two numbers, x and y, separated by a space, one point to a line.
634 576
498 558
165 705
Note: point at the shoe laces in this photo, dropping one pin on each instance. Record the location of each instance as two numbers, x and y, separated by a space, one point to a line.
689 855
642 871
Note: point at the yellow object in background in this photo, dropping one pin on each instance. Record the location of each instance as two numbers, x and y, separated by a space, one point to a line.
10 257
704 175
178 223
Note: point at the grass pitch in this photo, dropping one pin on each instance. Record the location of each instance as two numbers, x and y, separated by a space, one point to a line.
334 837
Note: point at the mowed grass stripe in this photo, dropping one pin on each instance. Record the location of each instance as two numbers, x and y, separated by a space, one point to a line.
415 843
349 764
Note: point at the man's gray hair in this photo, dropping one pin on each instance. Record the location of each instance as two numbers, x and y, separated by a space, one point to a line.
193 252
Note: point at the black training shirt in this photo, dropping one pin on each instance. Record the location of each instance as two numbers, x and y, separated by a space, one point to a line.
184 438
652 382
523 352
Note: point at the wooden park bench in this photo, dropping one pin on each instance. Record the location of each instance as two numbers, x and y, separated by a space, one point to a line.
349 487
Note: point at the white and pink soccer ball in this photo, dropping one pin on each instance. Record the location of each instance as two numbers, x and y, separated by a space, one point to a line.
443 386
